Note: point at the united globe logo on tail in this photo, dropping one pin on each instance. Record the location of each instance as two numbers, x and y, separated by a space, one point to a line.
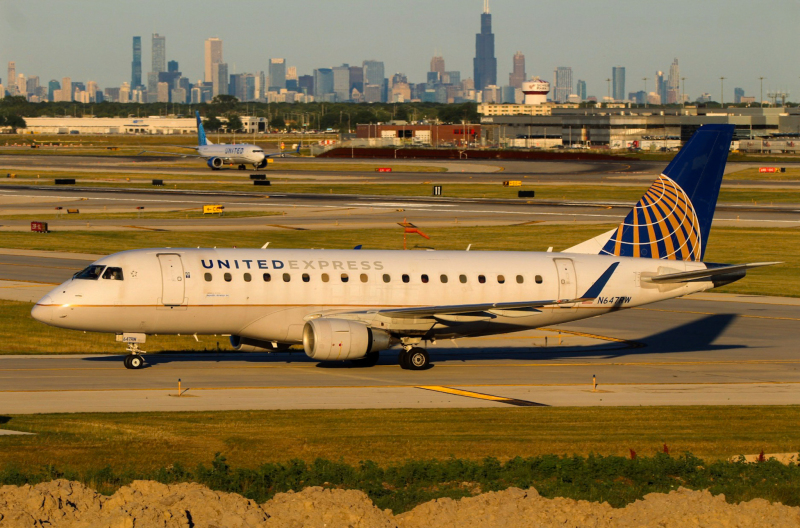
663 225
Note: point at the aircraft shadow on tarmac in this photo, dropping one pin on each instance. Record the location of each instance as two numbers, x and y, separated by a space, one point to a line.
696 336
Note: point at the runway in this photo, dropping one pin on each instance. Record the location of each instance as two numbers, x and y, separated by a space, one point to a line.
709 349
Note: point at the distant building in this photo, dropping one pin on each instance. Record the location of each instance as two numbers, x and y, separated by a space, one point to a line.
618 77
341 82
373 93
12 78
517 75
674 83
305 84
451 77
66 89
52 87
661 87
159 57
437 65
136 63
738 93
485 63
357 79
213 55
581 90
374 74
563 84
219 79
163 92
277 75
323 82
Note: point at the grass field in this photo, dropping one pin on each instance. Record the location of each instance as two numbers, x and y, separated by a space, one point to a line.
152 215
791 174
147 441
726 244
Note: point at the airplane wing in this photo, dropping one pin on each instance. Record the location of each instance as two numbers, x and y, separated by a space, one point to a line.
182 155
706 274
418 312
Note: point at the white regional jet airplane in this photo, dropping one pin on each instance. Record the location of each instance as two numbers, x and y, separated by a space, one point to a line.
350 305
241 154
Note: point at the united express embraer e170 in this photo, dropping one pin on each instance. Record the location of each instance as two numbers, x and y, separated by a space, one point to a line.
241 154
350 305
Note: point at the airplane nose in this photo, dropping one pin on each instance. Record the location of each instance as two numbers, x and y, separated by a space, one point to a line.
42 311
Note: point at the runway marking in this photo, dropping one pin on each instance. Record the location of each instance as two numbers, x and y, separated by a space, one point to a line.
145 228
716 313
481 396
412 386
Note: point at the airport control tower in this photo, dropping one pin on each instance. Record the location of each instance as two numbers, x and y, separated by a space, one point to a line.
485 63
535 91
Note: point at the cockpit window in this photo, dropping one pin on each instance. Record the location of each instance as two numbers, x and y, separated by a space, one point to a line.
91 273
258 150
113 273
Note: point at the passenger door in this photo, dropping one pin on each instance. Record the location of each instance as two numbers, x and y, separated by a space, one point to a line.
172 280
567 285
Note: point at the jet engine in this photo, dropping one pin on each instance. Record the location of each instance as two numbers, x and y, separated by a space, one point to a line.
214 163
247 344
340 339
263 163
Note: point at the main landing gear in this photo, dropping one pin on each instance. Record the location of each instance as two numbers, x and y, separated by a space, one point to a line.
242 167
414 358
134 360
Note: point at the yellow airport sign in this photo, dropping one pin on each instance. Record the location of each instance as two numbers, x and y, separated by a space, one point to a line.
211 209
512 183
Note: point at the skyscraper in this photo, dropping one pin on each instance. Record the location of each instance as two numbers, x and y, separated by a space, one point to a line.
437 65
136 64
673 83
277 75
52 87
661 87
485 63
219 79
159 62
581 90
738 93
213 55
618 76
517 75
341 82
374 75
12 78
66 89
563 84
323 82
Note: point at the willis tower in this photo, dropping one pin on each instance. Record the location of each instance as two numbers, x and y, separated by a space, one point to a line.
484 63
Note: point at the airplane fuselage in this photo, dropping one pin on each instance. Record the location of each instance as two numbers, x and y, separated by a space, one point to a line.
236 154
270 294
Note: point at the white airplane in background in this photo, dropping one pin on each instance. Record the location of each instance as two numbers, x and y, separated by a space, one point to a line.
350 305
241 154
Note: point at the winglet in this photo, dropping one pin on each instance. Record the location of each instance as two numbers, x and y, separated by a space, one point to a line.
594 291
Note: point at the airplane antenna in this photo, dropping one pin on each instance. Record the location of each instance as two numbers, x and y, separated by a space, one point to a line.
265 246
469 246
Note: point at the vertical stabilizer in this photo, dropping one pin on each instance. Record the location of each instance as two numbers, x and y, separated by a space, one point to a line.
673 219
201 133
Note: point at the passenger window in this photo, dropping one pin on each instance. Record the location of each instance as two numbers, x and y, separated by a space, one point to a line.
113 274
247 277
386 277
424 279
364 277
286 277
501 279
482 279
538 279
443 278
325 277
463 279
267 277
520 279
405 278
306 277
91 273
207 276
227 277
345 278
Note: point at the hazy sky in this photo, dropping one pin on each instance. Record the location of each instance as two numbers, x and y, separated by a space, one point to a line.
741 40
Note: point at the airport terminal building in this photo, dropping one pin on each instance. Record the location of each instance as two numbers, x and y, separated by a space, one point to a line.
128 125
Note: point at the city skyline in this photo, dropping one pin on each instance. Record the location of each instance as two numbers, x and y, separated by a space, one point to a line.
453 41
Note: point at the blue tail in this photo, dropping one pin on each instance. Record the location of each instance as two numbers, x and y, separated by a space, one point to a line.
673 219
201 133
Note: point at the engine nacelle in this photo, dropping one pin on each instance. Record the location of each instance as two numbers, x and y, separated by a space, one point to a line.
263 163
341 339
214 163
247 344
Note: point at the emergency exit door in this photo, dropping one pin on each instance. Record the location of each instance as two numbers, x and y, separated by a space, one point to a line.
172 279
567 286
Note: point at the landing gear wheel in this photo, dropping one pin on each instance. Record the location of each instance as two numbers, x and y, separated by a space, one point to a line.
417 359
370 360
242 167
134 362
402 359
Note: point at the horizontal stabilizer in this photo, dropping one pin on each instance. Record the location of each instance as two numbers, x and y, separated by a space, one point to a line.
700 275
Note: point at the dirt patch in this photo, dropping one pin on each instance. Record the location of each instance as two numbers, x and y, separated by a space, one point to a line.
65 504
